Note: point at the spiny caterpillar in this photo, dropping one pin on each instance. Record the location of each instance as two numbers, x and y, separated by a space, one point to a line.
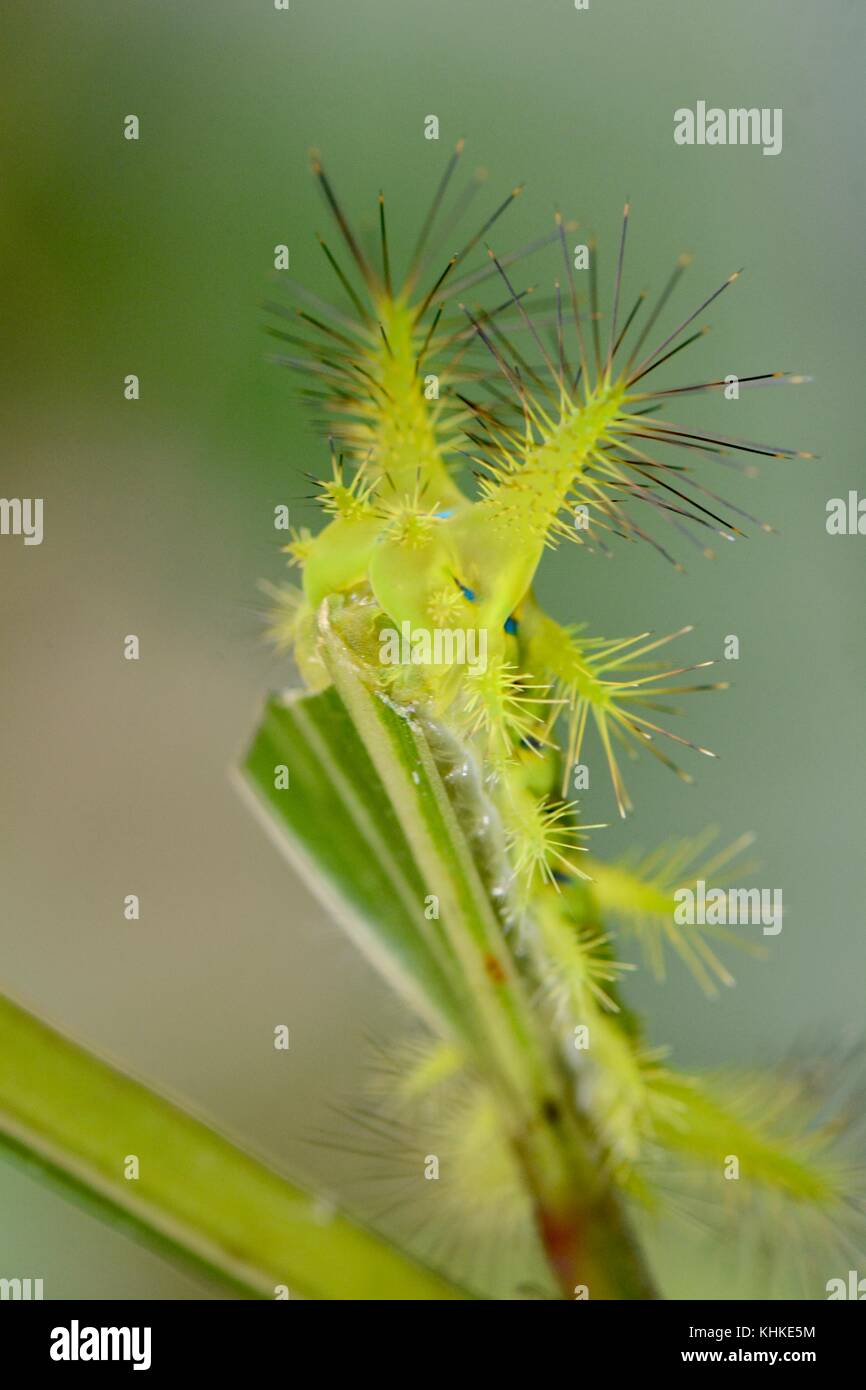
561 430
560 450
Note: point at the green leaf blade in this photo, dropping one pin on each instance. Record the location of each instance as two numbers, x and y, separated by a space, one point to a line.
77 1119
337 826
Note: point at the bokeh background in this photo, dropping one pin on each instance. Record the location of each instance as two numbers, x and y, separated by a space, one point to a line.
152 257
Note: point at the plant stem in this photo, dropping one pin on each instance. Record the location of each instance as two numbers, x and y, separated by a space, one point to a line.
75 1120
580 1222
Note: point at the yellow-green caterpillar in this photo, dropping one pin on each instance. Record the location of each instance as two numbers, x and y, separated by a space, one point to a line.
560 449
466 438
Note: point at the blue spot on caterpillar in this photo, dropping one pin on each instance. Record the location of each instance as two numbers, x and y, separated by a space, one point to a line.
510 624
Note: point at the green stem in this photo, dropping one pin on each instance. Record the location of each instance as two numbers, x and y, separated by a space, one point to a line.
79 1122
579 1220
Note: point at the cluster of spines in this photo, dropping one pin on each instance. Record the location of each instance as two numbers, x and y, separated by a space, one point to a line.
617 469
552 436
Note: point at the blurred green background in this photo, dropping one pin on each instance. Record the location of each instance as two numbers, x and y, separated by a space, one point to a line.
151 257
